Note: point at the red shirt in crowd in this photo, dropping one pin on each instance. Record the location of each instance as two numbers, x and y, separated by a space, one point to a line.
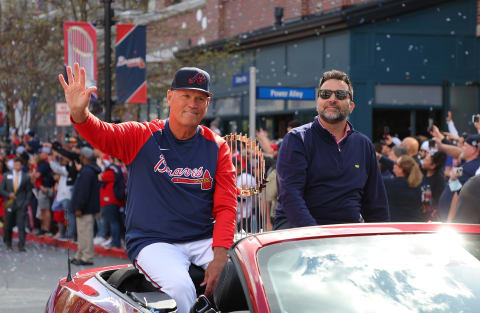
107 196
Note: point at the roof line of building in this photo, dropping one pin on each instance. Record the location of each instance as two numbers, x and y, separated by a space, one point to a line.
317 24
164 13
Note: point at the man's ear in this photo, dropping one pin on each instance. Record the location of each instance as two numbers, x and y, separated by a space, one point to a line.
352 106
169 96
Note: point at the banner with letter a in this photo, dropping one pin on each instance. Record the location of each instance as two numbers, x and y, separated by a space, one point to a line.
130 52
80 45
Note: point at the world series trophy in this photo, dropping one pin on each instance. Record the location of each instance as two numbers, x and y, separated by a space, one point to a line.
249 163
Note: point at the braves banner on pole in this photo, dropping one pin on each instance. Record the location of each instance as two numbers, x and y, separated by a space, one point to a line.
80 45
130 51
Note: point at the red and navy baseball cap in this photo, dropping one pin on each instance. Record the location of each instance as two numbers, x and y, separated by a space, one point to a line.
191 78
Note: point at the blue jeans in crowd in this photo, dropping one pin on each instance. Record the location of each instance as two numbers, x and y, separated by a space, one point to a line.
111 220
102 229
72 224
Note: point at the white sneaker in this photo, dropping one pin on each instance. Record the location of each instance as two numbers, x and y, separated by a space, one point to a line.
107 242
98 240
15 229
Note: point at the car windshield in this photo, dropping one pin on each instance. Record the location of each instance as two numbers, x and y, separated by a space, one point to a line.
381 273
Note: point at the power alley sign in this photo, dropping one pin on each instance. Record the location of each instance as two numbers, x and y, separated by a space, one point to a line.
286 93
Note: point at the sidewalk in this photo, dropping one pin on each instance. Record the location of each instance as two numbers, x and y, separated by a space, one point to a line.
62 243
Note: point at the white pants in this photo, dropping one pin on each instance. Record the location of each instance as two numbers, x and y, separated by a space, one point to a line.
166 267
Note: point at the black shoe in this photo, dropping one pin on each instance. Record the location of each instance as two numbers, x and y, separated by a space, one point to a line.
80 262
21 249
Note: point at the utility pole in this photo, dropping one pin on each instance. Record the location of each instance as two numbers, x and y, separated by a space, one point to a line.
6 117
252 116
108 59
7 121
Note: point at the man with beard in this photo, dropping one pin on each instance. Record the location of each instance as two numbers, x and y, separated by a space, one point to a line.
327 172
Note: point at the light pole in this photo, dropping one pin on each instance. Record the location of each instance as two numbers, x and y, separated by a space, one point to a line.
252 116
108 59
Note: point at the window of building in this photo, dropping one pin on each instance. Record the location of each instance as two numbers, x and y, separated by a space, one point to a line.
269 105
226 106
301 104
408 95
463 104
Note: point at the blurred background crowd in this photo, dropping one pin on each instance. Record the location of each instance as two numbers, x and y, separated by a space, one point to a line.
427 178
57 193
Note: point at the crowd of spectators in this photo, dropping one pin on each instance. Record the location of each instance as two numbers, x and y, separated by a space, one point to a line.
426 179
60 192
424 176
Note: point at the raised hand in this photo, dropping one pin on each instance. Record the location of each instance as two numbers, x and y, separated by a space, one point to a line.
449 116
435 132
76 93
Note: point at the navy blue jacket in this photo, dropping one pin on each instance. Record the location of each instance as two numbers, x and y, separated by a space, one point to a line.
320 182
86 190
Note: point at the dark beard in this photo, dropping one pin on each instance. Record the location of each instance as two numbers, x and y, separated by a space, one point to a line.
341 115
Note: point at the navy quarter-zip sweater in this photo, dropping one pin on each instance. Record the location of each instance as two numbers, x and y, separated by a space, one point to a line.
322 182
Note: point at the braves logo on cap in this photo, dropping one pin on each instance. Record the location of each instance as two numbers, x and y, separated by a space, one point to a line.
199 78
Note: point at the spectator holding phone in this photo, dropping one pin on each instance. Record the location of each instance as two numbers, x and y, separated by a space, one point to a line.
470 154
388 162
451 126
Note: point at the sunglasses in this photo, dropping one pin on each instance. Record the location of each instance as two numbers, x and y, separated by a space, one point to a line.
339 94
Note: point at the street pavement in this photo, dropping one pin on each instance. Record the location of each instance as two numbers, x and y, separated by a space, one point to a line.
28 278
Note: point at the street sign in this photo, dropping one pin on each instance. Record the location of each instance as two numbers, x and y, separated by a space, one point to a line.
240 79
62 114
286 93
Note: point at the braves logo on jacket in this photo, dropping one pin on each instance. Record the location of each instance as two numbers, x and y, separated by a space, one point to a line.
186 175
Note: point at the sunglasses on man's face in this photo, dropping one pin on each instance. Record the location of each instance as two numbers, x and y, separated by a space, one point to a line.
339 94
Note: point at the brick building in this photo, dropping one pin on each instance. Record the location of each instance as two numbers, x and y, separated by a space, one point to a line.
410 61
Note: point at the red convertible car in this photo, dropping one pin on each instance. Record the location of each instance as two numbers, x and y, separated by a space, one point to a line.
337 268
